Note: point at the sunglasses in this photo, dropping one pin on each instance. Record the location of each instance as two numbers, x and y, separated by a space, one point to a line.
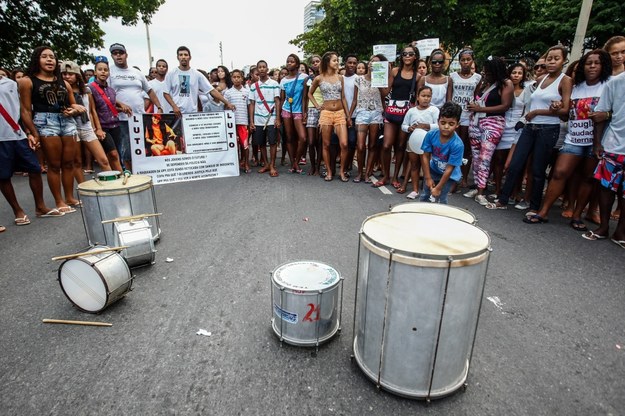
407 54
99 59
118 53
541 66
438 62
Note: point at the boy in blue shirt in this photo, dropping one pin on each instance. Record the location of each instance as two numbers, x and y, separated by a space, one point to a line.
442 155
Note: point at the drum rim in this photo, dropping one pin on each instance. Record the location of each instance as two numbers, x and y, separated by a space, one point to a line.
420 258
305 291
86 187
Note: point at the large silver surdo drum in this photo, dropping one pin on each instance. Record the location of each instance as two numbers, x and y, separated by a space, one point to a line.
306 298
110 199
436 209
418 296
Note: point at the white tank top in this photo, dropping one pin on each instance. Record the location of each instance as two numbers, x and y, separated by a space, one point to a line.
541 100
439 93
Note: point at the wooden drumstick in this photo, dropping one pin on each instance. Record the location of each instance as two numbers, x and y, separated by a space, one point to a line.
64 321
131 217
87 253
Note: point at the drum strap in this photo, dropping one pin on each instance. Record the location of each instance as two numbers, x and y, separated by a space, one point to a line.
9 119
105 98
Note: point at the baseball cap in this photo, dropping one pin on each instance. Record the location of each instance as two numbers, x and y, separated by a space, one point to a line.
117 47
70 67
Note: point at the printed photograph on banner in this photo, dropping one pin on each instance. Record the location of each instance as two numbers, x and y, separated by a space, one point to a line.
163 135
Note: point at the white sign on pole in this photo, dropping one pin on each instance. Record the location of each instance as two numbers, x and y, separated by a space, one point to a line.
426 46
390 51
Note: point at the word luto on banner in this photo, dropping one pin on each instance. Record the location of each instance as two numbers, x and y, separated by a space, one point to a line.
193 147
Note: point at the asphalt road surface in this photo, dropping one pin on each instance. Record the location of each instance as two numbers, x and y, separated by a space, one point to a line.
550 340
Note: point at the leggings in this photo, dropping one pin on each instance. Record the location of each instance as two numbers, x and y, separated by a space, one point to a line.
484 140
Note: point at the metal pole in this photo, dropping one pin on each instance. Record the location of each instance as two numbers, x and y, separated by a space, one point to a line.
580 33
150 59
221 53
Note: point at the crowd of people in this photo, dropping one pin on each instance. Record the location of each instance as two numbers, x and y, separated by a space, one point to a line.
503 125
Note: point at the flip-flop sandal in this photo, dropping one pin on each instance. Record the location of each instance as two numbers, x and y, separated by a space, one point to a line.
52 213
368 181
274 174
396 185
328 178
578 225
535 219
22 221
401 190
67 210
495 205
592 236
2 228
378 184
344 179
356 179
263 170
620 243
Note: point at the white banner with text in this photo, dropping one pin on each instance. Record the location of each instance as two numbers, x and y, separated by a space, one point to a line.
193 147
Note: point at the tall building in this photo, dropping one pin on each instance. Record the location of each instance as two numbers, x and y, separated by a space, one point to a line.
312 14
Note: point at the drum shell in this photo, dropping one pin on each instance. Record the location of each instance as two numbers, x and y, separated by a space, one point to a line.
417 341
108 200
137 238
437 209
306 317
93 282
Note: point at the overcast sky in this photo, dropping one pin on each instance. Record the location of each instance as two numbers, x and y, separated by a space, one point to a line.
201 25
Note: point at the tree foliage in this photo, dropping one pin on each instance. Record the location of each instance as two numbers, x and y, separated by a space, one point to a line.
70 27
512 28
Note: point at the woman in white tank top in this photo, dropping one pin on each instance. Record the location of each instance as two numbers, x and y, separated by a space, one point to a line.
549 101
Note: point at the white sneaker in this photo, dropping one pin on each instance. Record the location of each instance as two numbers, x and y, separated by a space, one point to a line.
412 195
470 194
522 205
481 199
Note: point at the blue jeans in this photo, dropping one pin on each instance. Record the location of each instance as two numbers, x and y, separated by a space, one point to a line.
539 140
442 199
123 145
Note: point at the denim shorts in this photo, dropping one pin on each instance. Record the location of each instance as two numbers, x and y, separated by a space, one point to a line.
575 150
54 125
369 117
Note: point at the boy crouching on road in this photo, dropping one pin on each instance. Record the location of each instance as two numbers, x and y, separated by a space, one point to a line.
442 155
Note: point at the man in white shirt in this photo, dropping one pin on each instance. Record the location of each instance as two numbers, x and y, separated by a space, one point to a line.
184 84
157 83
129 85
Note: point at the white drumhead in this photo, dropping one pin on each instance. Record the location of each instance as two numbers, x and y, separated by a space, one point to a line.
306 276
436 209
134 183
425 234
83 285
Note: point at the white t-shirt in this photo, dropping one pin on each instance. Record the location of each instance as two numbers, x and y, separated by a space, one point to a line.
270 90
462 94
159 88
613 99
238 98
129 85
10 99
348 90
416 115
184 87
584 99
